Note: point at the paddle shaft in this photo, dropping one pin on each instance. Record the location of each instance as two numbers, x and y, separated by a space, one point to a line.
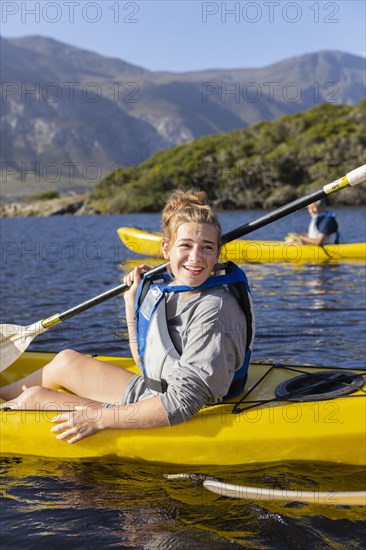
97 299
273 216
352 178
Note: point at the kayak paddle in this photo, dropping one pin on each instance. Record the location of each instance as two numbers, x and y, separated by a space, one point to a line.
15 339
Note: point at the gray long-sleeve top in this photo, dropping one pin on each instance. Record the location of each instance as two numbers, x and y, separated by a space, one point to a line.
209 332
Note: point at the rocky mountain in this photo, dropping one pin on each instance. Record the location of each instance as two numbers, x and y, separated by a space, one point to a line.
71 116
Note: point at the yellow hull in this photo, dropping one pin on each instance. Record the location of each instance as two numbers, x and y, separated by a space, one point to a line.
330 430
239 251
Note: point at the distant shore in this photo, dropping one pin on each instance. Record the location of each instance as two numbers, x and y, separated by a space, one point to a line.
73 205
81 205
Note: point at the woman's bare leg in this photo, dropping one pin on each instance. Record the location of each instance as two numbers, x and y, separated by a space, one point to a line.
43 399
83 376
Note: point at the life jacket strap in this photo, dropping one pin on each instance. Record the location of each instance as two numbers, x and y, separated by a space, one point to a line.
159 386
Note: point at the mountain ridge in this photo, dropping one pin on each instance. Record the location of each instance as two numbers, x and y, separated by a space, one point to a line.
66 105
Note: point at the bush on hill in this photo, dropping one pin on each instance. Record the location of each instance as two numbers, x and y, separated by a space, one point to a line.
263 166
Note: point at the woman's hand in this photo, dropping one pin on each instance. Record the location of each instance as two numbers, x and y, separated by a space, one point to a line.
78 424
133 279
293 238
87 420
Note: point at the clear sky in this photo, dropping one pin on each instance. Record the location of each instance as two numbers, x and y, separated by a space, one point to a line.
184 35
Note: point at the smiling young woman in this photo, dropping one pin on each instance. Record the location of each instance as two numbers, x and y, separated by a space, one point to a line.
190 330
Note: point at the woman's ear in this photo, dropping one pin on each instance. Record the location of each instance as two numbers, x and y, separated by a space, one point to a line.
165 250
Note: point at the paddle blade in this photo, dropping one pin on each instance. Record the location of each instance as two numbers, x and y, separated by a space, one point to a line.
15 339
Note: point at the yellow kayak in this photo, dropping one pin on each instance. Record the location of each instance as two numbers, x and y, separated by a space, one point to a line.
256 427
149 244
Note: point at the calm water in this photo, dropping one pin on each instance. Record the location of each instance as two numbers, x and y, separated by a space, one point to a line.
312 314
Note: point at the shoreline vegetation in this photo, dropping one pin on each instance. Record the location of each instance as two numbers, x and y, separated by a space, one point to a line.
263 166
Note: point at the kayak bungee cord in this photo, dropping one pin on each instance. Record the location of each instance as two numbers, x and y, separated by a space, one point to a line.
297 395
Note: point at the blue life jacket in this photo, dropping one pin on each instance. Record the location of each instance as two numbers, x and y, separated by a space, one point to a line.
152 329
326 223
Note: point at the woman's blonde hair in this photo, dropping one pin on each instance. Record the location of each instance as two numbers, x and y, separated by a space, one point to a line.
185 207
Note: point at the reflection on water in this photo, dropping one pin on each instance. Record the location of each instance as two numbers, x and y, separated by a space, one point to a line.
115 504
310 313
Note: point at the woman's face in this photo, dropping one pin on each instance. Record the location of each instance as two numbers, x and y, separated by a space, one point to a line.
194 253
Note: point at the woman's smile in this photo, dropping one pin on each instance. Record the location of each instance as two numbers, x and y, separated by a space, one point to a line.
193 269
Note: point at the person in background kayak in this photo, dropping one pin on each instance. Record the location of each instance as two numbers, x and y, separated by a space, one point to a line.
323 227
191 334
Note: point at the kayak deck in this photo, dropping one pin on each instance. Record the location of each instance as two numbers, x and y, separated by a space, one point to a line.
148 243
268 430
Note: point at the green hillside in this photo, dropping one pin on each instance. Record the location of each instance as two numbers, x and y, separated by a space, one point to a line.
263 166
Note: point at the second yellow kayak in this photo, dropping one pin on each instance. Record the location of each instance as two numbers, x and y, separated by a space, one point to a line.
148 243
